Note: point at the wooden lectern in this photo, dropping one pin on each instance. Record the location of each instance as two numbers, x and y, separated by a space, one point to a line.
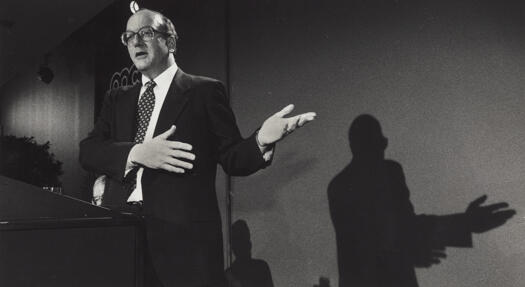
52 240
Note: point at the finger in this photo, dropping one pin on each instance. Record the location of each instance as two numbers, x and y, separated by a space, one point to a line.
311 115
478 201
165 135
182 154
505 214
303 119
292 124
171 168
495 206
494 223
179 163
288 109
179 145
306 118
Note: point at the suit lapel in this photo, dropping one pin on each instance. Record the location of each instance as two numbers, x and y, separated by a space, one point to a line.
174 103
128 123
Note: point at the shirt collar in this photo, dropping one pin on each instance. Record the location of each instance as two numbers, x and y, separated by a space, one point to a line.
165 78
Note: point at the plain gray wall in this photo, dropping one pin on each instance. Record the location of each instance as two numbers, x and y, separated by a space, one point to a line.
444 78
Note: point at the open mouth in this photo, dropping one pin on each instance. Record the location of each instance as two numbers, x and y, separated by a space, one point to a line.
140 54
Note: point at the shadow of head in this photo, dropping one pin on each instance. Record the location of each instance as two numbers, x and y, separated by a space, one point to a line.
241 242
366 137
323 282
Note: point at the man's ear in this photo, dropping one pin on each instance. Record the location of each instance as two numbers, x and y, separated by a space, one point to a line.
171 43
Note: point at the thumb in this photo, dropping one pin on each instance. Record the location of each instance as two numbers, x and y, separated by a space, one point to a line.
478 201
165 135
288 109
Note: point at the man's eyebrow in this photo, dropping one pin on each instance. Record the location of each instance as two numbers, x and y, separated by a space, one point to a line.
139 28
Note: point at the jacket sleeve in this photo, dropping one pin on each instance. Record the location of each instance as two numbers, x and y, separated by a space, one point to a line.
236 155
99 151
432 230
451 230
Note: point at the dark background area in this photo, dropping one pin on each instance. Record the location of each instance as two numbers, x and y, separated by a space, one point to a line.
444 78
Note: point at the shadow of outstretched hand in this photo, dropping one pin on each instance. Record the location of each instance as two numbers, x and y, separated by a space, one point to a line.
484 218
426 257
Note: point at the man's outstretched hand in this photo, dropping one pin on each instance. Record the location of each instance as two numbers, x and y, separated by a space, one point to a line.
160 153
484 218
276 127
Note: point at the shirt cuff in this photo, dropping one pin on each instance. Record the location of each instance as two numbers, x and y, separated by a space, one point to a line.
266 151
129 163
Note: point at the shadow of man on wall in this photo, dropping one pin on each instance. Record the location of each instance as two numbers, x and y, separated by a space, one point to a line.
380 240
246 271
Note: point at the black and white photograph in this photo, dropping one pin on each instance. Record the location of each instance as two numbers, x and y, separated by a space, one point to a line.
262 143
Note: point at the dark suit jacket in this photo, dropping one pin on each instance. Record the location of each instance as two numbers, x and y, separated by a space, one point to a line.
182 216
380 239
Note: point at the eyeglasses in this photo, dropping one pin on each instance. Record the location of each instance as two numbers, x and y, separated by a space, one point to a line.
145 34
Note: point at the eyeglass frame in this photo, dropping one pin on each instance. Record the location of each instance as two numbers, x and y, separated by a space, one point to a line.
133 34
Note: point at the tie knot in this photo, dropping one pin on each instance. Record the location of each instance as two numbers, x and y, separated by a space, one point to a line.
150 85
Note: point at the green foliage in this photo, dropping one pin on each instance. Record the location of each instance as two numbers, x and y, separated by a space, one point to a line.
22 158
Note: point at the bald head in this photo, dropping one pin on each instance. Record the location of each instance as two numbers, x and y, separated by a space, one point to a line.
159 22
153 42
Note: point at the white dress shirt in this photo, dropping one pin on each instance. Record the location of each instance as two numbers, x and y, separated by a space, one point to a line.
163 82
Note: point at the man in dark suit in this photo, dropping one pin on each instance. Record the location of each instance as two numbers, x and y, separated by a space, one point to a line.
159 144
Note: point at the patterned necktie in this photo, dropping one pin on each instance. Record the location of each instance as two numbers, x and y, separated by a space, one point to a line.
144 111
145 108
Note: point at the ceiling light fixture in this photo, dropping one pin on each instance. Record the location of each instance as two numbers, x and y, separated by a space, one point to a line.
134 6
